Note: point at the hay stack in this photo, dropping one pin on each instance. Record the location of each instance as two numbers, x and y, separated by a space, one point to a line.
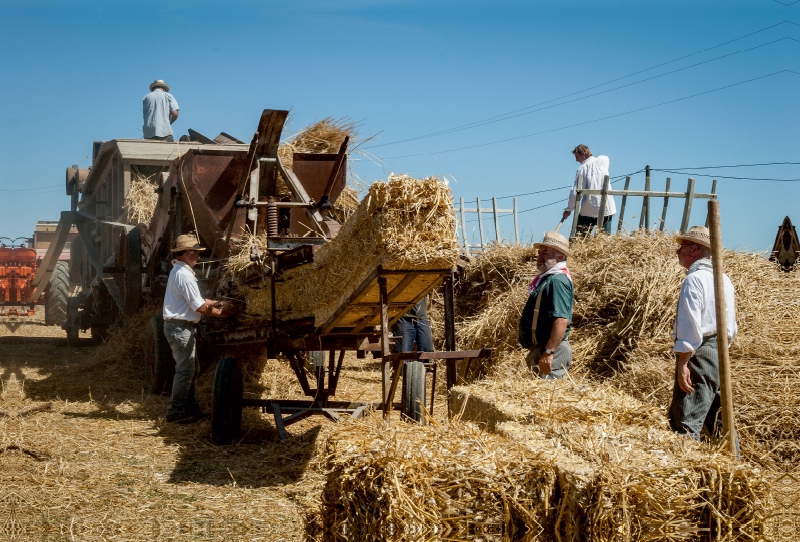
410 482
647 483
141 199
402 224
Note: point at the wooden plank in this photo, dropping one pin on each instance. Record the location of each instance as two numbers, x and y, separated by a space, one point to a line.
687 206
480 225
355 295
652 194
464 226
624 201
384 339
455 354
664 212
601 212
496 220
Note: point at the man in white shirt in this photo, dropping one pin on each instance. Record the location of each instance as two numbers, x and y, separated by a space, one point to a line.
696 394
160 110
183 308
591 175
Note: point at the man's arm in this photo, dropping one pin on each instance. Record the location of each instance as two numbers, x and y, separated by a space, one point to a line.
572 196
684 374
173 116
556 336
219 309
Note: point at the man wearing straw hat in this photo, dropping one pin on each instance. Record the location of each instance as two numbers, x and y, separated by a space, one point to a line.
160 110
183 308
696 393
591 175
546 318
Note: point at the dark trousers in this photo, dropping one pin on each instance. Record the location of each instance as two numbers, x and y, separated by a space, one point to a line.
690 413
181 338
168 139
409 330
587 223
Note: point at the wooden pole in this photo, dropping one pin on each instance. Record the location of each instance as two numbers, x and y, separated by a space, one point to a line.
384 299
464 226
622 207
713 192
516 224
644 219
480 224
687 205
601 213
664 212
722 328
577 210
496 220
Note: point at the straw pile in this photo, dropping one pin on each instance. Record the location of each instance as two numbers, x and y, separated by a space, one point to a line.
626 290
322 137
141 199
646 483
402 224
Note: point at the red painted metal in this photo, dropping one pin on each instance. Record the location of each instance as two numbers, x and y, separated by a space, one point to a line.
18 266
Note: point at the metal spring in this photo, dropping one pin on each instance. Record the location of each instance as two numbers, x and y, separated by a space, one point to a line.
272 218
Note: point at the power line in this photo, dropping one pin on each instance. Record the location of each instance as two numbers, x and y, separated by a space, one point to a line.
737 165
512 114
31 189
785 3
727 177
599 119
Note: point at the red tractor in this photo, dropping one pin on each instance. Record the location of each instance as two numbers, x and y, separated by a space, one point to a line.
18 266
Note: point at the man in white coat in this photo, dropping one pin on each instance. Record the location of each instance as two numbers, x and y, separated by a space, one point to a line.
590 176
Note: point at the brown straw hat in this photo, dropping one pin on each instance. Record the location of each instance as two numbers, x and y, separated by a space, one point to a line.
696 234
555 240
187 242
159 83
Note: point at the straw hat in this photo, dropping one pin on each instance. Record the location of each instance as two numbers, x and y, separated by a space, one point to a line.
187 242
696 234
555 240
159 83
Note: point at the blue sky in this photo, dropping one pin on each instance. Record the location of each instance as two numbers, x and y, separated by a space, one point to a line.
76 72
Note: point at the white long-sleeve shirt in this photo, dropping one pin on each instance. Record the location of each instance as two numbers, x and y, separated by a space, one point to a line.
592 171
182 298
697 317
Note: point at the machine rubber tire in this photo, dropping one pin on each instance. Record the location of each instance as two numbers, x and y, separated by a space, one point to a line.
413 405
55 308
158 360
72 323
226 413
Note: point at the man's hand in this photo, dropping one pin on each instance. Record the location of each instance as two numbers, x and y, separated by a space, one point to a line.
219 309
566 215
684 373
545 363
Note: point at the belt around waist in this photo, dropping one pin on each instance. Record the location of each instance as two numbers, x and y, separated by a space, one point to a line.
179 321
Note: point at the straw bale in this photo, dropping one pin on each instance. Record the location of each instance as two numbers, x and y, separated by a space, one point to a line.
402 224
322 137
648 483
412 482
141 199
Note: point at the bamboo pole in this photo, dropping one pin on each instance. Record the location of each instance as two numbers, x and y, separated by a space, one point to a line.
726 397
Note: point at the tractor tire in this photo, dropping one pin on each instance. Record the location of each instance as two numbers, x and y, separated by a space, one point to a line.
72 323
413 405
55 307
226 413
158 361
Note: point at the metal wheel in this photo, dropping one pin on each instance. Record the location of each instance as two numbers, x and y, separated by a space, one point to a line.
226 414
158 361
413 406
55 308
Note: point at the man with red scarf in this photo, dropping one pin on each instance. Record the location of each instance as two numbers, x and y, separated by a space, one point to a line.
546 318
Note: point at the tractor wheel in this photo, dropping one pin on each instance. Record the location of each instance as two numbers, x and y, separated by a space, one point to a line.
226 414
72 323
413 406
158 361
55 307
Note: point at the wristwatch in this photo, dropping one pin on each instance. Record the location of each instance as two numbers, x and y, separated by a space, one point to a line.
549 352
219 304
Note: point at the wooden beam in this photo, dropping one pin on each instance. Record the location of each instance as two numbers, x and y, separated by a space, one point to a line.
624 201
687 206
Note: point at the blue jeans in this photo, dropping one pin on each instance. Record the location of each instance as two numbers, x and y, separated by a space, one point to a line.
181 339
409 330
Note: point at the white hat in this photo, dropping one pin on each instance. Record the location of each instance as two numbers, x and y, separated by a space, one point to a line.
159 83
555 240
696 234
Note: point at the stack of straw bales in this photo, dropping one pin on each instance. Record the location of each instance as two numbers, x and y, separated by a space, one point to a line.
402 224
